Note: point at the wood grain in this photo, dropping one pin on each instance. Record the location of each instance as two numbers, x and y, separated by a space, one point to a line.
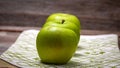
4 64
96 16
9 34
102 14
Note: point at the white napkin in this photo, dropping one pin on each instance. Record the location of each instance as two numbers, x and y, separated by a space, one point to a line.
96 51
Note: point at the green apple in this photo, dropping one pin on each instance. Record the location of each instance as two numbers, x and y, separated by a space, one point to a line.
58 39
64 16
58 17
64 24
56 45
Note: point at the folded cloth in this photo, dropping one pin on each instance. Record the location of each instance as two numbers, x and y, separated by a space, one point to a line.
94 51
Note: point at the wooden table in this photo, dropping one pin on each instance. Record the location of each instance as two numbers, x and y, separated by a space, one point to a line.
99 16
8 35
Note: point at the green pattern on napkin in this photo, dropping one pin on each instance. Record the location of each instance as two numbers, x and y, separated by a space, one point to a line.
98 51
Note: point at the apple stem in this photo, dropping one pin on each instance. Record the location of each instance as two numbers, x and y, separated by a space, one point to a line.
63 21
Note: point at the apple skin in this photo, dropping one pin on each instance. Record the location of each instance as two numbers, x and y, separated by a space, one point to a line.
65 24
57 40
56 45
64 16
58 17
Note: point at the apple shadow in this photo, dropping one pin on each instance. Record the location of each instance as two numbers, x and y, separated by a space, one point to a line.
69 64
77 55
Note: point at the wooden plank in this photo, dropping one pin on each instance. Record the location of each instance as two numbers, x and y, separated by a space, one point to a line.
6 40
4 64
16 28
102 14
21 19
103 9
10 34
88 32
96 14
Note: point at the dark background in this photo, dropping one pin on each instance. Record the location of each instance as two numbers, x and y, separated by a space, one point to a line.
93 14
